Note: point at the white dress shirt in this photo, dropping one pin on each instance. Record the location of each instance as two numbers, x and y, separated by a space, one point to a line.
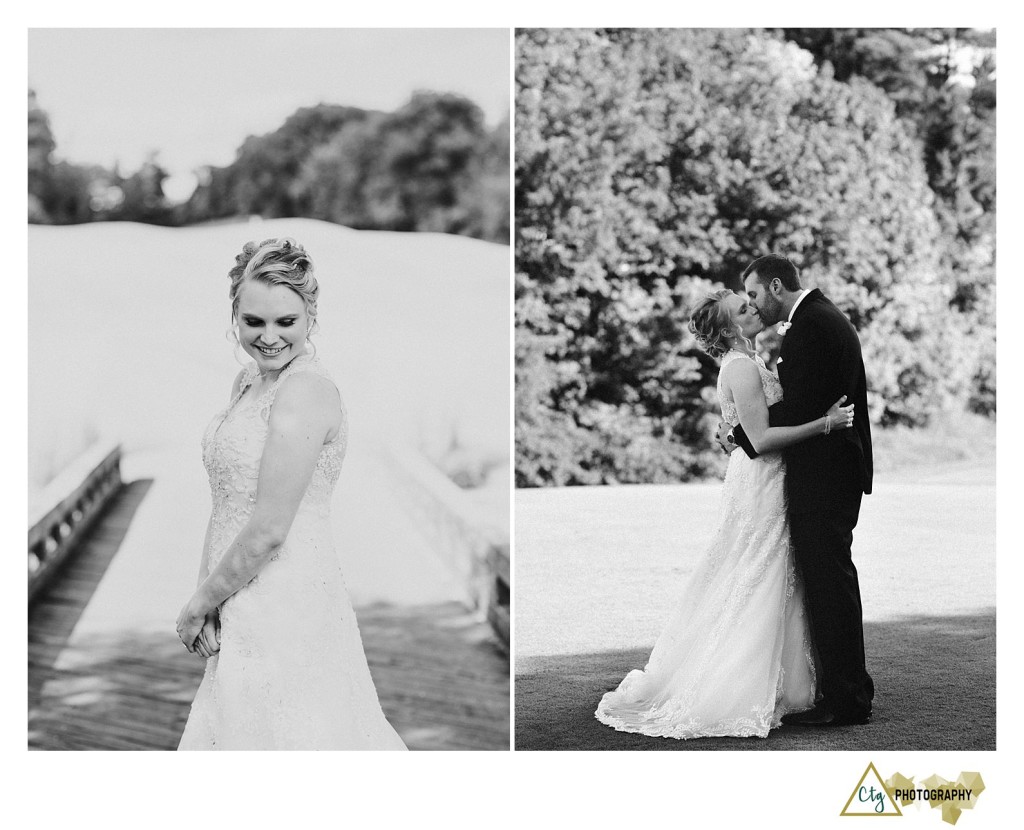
799 300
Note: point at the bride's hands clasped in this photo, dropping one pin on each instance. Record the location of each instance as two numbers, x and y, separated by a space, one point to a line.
840 417
207 643
192 620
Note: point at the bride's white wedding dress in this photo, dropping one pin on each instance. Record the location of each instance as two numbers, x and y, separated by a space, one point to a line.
291 672
736 655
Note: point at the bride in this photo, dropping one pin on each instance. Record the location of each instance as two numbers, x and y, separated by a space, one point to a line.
285 664
736 654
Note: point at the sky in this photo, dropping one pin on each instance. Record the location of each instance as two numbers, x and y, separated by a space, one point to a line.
193 95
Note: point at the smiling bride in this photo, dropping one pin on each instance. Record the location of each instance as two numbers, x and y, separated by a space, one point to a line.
285 663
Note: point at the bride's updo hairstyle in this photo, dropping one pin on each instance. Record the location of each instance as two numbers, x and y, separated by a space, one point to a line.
712 324
275 262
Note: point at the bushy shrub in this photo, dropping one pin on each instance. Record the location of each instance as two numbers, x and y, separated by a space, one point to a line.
652 166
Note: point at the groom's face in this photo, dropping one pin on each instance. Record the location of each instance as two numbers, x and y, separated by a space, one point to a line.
767 305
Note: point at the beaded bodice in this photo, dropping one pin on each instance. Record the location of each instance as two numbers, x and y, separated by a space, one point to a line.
233 448
291 672
769 383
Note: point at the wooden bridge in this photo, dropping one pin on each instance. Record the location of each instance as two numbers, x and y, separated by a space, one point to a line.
442 674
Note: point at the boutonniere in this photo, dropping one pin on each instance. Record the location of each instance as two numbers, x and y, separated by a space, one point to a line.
784 327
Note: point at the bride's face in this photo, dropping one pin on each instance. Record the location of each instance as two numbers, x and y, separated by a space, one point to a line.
744 316
272 324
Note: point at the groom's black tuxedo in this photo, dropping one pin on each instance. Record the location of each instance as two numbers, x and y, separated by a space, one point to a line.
826 477
821 361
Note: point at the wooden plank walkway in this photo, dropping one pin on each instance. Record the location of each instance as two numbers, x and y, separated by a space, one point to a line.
442 680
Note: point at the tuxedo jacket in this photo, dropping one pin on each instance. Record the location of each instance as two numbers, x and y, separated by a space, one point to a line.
820 362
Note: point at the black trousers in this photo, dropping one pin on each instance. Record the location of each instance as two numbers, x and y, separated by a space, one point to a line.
822 540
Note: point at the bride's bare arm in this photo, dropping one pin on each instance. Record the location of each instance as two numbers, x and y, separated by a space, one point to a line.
303 415
305 412
744 382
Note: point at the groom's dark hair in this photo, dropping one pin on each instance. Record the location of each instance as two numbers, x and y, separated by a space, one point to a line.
774 267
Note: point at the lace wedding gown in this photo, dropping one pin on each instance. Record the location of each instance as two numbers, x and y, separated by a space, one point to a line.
736 655
291 672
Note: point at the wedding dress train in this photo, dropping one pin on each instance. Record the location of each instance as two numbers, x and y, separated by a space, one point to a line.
291 672
736 654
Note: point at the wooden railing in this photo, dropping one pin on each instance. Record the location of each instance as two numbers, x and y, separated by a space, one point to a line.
445 514
68 507
499 598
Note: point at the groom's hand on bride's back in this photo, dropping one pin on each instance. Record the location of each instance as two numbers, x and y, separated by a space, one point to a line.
722 440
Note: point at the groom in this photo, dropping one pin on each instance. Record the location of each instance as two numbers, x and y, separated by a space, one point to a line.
826 477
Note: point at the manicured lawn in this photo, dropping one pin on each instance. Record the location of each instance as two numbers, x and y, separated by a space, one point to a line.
597 569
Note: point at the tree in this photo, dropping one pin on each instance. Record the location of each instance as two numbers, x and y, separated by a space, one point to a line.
143 195
332 181
424 164
430 166
40 137
267 165
654 164
40 165
213 198
69 200
487 190
943 84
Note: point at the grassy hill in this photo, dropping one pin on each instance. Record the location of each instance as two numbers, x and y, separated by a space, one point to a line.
126 338
127 324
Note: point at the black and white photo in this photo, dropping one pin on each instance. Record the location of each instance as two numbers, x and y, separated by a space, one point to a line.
768 256
268 389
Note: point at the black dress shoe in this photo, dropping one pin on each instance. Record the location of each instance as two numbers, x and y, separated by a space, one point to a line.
823 716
